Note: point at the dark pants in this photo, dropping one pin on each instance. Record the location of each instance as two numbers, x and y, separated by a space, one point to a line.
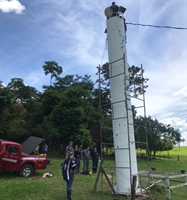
69 184
77 162
85 165
94 165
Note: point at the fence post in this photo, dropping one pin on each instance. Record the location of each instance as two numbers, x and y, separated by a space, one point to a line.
186 182
178 158
168 187
133 185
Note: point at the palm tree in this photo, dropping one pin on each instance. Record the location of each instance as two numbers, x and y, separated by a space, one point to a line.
51 67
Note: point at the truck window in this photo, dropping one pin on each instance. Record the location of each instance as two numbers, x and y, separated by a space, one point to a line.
13 150
1 148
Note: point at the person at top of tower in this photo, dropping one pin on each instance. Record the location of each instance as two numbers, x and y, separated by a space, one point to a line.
115 9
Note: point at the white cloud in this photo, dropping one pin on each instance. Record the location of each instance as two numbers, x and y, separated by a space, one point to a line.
182 91
176 122
77 34
2 85
180 124
73 37
11 6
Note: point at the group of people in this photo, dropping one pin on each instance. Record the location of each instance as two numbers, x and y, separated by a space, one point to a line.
85 155
45 150
71 165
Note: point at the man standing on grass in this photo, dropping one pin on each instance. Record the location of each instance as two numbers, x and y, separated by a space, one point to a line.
95 159
86 157
77 155
45 149
69 148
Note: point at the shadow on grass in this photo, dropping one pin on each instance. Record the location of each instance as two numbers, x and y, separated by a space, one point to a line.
154 157
7 174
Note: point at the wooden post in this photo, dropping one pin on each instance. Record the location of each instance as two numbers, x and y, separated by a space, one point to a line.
140 181
168 187
109 182
98 174
178 158
133 185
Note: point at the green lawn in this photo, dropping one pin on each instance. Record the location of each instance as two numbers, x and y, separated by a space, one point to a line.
14 187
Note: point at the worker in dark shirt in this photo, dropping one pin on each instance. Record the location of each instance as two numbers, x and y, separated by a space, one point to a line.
95 159
68 167
77 155
115 9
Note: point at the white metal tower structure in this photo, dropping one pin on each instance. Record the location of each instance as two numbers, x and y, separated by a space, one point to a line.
122 120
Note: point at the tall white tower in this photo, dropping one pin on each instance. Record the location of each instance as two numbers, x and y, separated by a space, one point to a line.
122 121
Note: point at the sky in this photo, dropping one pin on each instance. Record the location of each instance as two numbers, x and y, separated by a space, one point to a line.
71 33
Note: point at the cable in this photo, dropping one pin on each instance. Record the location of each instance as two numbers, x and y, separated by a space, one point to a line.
172 27
88 117
103 53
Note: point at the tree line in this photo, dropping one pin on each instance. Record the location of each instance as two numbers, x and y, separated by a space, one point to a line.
68 109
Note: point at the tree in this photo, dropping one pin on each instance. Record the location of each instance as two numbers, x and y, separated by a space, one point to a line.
137 81
67 108
170 138
74 80
102 94
160 136
84 137
15 84
51 67
21 91
71 112
7 99
17 126
1 85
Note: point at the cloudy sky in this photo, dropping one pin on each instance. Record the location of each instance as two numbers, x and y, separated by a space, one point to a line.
71 32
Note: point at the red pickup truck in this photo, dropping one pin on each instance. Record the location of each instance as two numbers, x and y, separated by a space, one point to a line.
13 159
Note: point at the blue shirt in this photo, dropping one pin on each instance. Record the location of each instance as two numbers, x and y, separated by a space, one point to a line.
77 153
68 167
94 155
45 149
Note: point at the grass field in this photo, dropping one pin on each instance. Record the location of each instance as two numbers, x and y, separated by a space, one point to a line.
13 187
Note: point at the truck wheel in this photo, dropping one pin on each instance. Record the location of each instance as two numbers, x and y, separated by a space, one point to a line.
26 170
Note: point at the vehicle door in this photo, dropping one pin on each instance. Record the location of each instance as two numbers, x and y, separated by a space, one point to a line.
11 157
2 151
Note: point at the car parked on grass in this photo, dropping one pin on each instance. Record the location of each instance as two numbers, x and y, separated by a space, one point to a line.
18 158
